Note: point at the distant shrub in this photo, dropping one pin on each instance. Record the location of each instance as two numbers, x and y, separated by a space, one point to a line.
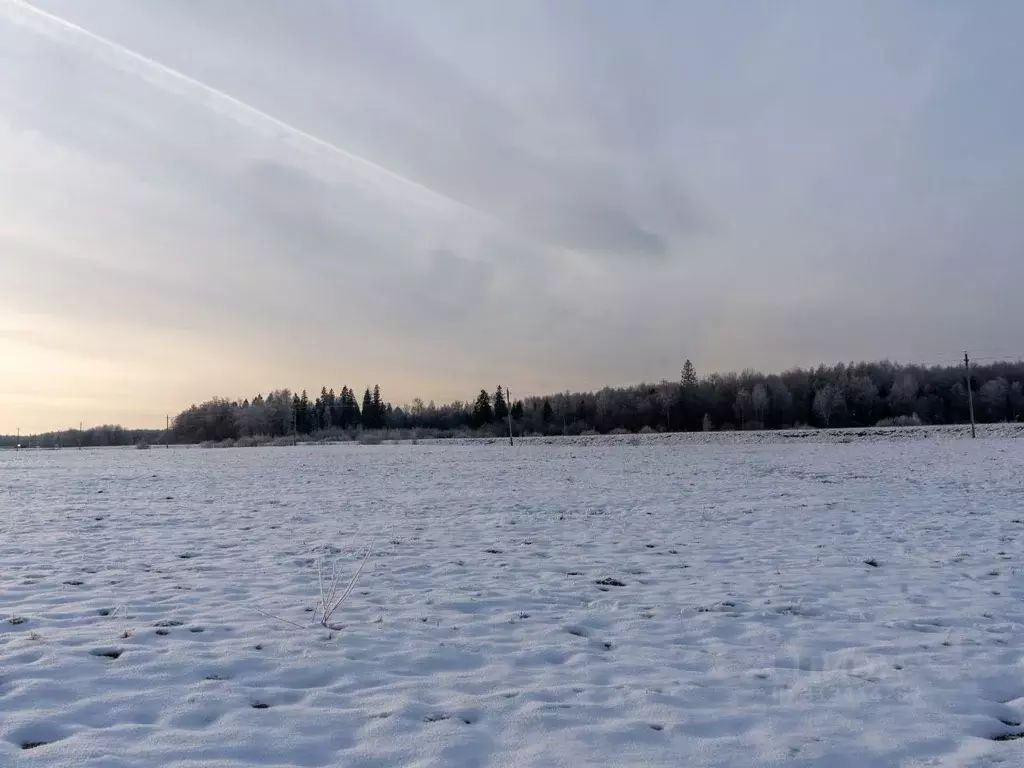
281 442
142 445
620 431
647 430
901 421
207 444
589 433
370 438
332 435
251 442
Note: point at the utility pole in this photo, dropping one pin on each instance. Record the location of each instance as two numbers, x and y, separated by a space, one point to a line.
970 396
167 432
508 400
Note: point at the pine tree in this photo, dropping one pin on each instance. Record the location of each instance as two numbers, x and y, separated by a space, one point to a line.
482 413
500 406
517 410
546 414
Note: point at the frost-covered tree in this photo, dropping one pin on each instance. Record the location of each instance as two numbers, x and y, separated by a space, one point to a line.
688 377
825 402
759 402
742 407
994 397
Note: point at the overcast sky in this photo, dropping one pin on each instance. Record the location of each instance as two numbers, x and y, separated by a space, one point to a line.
217 197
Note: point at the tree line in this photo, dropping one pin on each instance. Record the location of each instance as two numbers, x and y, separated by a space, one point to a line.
841 395
110 435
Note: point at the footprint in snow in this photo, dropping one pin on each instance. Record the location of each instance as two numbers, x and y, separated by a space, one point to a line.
107 653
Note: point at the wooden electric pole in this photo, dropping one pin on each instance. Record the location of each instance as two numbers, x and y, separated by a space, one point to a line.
970 395
508 403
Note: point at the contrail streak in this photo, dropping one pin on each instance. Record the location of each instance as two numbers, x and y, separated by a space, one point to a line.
173 81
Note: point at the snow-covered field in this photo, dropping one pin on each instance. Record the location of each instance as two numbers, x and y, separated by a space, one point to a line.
843 605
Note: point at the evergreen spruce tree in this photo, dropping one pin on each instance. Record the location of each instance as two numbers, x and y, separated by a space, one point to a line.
482 413
368 420
307 415
350 408
500 406
546 414
296 415
333 412
517 410
357 415
322 410
378 407
346 418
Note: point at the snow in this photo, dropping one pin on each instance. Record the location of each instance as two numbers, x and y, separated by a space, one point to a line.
771 436
581 603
